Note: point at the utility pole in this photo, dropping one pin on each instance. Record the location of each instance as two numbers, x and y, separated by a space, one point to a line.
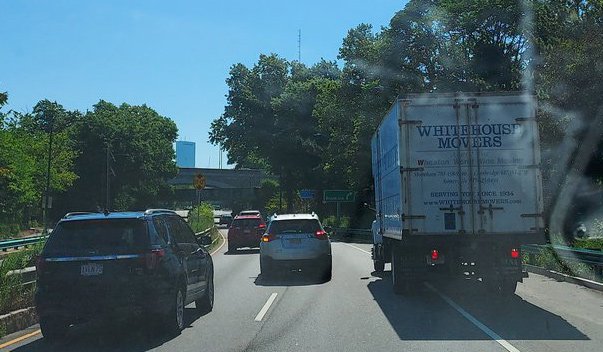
47 197
108 181
299 46
220 159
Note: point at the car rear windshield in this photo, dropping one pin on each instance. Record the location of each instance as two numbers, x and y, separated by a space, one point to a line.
249 212
246 223
98 237
294 226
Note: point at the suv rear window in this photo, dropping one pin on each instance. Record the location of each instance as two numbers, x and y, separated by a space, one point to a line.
294 226
246 223
98 237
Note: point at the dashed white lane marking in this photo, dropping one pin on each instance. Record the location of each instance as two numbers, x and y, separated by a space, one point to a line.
266 306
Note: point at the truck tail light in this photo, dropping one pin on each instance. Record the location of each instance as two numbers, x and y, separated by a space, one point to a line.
267 237
321 235
435 255
514 253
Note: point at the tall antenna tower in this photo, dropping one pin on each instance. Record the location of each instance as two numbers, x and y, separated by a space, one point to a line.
299 45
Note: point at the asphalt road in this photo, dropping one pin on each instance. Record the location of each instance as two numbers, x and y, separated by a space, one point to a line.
357 311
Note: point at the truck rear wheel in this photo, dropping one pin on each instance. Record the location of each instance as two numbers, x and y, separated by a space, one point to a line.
503 287
398 281
378 258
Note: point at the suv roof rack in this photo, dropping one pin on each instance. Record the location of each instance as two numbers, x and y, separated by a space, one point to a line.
158 211
75 213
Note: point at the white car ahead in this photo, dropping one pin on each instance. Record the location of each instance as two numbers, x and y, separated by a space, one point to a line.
295 241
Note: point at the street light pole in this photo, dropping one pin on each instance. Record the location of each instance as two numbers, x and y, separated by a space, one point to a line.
47 191
108 181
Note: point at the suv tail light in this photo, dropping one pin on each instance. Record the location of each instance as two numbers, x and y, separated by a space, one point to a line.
514 253
153 257
321 235
268 237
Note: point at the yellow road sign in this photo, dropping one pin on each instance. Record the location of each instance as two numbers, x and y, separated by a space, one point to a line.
199 181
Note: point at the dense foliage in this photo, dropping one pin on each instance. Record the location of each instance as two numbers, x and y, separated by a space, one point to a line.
312 125
134 141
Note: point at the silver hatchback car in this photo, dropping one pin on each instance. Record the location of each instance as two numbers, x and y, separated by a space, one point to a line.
295 241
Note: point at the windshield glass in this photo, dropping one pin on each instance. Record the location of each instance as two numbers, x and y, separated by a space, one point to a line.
453 149
246 223
294 226
98 237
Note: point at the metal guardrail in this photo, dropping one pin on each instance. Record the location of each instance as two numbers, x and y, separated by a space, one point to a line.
346 231
20 242
569 254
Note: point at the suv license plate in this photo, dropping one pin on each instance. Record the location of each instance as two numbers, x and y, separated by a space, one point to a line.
295 241
92 269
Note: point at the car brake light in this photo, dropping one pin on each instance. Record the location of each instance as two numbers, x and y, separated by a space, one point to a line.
153 258
262 226
435 255
514 253
267 237
321 235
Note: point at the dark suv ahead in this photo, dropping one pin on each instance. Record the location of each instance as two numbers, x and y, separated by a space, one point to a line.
118 265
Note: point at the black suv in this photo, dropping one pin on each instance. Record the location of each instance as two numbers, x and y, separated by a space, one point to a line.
118 265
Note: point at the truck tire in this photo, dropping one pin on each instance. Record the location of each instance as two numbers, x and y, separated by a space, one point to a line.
378 260
397 277
379 265
231 248
503 287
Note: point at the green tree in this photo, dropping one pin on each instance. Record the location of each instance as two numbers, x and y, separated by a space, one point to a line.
136 143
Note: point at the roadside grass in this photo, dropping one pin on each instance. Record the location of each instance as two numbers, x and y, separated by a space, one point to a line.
215 238
548 259
13 295
589 243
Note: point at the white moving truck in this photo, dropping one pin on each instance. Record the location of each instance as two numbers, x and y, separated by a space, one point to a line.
458 188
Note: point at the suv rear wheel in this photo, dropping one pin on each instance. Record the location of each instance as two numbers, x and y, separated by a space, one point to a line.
53 329
266 269
327 270
174 320
206 303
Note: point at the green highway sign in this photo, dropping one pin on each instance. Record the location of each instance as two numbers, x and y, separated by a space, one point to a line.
338 196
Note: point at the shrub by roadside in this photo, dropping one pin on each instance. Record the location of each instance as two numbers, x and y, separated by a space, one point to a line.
13 295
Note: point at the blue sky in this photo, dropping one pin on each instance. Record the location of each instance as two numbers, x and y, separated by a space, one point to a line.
171 55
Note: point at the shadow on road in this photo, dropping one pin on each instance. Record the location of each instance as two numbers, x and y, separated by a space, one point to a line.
290 278
241 251
132 336
423 315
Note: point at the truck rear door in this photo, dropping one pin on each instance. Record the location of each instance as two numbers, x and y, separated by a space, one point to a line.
469 164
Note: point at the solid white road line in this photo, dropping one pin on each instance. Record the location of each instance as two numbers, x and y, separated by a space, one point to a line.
222 245
504 343
358 248
266 306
